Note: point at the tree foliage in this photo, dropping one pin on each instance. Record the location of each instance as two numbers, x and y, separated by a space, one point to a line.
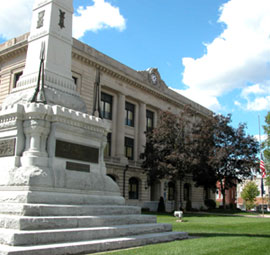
167 152
249 194
229 154
266 147
207 147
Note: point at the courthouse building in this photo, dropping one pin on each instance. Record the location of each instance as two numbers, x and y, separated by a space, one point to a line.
130 102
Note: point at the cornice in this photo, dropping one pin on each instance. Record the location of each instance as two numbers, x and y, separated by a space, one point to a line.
11 52
118 74
86 58
14 47
92 57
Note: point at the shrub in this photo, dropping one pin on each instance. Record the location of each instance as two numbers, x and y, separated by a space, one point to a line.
161 205
210 203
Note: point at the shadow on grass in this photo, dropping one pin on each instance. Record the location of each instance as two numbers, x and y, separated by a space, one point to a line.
202 215
227 235
191 214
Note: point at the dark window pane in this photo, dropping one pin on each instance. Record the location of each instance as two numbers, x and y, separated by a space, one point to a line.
133 188
75 79
129 148
16 78
149 120
130 113
107 150
106 106
171 191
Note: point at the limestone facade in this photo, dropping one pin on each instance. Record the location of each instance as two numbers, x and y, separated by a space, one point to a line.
130 102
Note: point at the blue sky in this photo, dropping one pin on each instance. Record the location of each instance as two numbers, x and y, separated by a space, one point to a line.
216 52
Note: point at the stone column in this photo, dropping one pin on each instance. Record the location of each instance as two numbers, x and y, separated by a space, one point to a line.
36 133
114 126
120 131
142 128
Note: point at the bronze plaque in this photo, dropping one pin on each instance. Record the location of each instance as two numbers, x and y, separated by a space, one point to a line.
77 167
7 147
76 152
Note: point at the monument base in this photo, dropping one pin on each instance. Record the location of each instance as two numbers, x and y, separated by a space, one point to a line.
55 197
77 229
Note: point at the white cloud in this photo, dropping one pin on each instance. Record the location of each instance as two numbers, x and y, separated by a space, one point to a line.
263 138
257 97
240 56
254 89
259 104
237 103
203 98
15 17
101 15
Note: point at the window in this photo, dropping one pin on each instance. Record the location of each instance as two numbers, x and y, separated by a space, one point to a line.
106 106
149 120
130 113
171 191
16 78
107 150
187 190
75 79
129 148
133 188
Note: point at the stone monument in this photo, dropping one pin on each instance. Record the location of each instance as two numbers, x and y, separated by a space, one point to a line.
55 196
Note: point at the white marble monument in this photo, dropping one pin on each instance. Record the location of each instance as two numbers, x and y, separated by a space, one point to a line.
55 196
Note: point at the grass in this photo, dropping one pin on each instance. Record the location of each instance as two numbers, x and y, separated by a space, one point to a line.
215 234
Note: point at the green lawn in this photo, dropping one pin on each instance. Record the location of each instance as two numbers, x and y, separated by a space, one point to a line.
215 235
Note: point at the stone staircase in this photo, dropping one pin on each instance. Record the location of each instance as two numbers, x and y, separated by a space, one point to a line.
46 229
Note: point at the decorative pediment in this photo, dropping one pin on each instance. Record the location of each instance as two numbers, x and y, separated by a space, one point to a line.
152 77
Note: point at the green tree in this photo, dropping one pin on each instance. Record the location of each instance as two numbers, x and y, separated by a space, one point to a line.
168 150
207 147
249 194
266 147
224 154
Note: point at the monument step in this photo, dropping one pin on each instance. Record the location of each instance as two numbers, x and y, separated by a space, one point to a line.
86 247
62 196
66 210
60 222
35 237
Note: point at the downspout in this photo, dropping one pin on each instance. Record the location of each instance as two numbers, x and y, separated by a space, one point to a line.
124 181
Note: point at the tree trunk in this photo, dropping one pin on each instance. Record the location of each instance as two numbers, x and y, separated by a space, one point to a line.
223 192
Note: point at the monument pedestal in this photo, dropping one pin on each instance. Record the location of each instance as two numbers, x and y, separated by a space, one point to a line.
55 196
54 151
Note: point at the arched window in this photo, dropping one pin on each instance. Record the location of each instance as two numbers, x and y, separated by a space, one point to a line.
133 188
187 192
171 191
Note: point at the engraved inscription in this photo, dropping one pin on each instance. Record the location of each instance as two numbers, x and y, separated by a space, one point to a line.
7 147
77 167
61 19
40 19
76 152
